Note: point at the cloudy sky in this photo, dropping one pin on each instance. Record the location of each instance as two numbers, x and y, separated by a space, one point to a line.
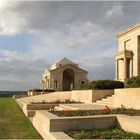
34 34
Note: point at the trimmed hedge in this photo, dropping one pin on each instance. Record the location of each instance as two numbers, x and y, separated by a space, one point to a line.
133 82
101 84
41 90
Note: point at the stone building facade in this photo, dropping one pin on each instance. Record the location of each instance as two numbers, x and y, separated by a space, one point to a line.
128 57
64 75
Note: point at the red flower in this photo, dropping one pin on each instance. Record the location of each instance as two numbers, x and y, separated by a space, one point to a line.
107 109
52 108
67 100
66 111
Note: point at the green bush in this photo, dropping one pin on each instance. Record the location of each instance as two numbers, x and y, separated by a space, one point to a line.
41 90
101 84
133 82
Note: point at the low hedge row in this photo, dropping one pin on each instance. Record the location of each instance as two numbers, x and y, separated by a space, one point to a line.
101 84
41 90
133 82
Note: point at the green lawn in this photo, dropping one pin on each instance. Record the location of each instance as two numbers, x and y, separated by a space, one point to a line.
13 123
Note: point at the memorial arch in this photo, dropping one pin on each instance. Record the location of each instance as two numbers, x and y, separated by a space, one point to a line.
64 75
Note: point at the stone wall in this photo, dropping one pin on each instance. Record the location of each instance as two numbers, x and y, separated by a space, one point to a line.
86 96
129 97
46 122
129 123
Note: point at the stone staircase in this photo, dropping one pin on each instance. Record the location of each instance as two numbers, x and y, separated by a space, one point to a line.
105 101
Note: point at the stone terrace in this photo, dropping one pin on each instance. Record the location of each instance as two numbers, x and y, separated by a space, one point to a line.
43 121
86 97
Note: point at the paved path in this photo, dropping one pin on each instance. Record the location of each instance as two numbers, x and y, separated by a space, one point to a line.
90 106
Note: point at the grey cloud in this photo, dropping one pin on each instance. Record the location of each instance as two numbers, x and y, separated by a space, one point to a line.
43 16
106 69
98 67
21 70
52 15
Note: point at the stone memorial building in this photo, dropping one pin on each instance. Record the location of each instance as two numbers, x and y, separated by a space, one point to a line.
128 57
64 75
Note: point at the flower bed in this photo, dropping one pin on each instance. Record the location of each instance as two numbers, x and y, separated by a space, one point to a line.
105 111
58 101
110 133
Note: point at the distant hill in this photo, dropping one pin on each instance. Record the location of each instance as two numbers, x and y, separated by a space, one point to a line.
11 93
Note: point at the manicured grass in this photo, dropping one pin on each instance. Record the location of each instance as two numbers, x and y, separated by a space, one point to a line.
70 113
13 123
110 133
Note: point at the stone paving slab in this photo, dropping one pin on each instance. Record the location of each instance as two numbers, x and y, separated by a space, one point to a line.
82 106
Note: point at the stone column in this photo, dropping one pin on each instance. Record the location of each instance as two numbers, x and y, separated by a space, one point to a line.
117 68
60 81
42 84
131 68
48 84
75 79
125 68
45 83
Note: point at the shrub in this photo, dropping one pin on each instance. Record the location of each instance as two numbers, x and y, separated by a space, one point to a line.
133 82
101 84
41 90
108 133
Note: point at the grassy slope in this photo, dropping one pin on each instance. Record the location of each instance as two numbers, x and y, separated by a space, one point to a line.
13 123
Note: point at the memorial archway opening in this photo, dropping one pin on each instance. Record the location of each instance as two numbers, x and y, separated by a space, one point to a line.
68 79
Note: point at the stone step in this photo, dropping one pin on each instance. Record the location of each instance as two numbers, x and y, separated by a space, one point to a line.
110 99
105 101
23 100
104 104
65 107
59 108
